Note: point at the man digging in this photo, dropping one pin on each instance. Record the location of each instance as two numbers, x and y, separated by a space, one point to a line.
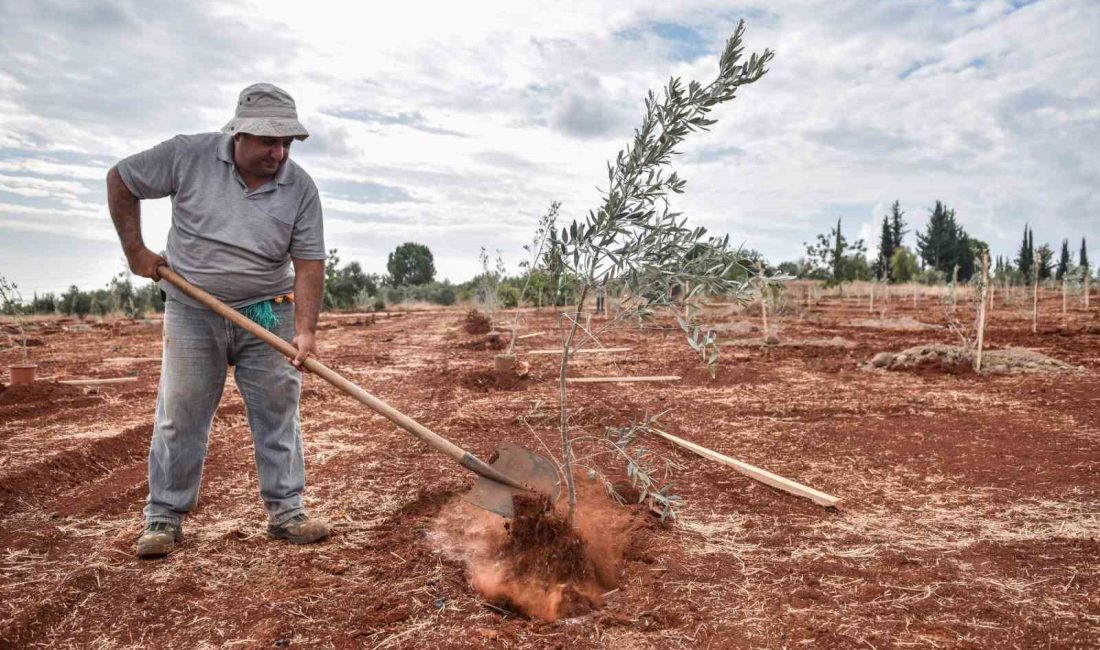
246 227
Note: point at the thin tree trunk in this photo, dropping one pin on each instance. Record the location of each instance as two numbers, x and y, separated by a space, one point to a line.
981 314
954 282
566 446
871 304
1064 288
1087 274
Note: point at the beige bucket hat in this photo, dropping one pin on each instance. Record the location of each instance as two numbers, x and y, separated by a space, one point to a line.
267 110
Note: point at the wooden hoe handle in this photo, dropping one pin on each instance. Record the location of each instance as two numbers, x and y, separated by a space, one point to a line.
434 440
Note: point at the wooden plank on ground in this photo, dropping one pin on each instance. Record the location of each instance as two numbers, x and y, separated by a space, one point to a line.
762 475
581 351
130 359
619 380
95 382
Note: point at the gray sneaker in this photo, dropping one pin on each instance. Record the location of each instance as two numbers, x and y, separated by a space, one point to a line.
300 529
158 539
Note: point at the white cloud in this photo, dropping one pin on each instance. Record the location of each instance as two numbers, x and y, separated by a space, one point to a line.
456 124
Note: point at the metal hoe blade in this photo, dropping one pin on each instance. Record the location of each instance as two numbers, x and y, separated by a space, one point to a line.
530 469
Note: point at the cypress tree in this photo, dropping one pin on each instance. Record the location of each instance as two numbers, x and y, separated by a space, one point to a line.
1026 257
1063 262
885 250
944 243
897 224
1046 261
1083 260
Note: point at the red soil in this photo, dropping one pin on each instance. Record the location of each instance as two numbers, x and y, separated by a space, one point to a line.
487 381
40 392
969 516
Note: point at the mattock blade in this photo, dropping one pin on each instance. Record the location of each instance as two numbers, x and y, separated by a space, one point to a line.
532 470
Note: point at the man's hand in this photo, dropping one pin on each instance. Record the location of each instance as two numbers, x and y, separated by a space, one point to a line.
144 262
306 342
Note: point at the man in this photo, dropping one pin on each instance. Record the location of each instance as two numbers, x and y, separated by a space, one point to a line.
246 227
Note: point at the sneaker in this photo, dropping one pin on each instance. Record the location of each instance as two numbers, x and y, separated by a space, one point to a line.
300 529
158 539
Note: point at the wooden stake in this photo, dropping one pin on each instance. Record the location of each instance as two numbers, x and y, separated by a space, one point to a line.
1087 274
762 475
763 302
954 281
981 313
94 382
619 380
1064 283
1035 298
581 351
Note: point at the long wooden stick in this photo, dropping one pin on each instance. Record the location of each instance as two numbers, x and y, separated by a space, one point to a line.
531 335
94 382
762 475
620 380
981 313
130 359
1035 298
581 351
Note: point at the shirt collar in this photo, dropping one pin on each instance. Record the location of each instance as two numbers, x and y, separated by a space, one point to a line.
225 154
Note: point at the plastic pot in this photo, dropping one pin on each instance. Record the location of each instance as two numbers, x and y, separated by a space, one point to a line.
22 373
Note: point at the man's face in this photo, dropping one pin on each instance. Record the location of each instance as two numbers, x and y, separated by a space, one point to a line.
261 155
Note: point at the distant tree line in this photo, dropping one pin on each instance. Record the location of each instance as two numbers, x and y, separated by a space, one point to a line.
120 295
944 252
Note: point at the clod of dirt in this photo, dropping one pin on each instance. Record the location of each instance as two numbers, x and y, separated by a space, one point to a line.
542 543
882 359
477 322
953 359
37 392
485 343
538 564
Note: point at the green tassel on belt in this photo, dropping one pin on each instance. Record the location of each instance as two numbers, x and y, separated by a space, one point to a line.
263 314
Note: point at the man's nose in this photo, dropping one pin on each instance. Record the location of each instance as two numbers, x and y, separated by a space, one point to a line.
278 152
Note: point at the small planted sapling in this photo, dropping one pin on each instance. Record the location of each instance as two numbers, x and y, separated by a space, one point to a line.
636 242
535 251
10 301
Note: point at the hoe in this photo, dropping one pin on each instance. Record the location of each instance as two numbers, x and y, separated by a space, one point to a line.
515 470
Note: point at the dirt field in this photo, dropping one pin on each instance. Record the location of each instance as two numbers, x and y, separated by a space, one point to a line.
971 511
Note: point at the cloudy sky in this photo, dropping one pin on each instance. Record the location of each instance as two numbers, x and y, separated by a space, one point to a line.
455 124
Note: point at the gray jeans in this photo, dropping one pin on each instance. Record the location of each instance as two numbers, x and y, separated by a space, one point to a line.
198 347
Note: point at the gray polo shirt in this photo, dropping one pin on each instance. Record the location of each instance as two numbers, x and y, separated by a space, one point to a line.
233 242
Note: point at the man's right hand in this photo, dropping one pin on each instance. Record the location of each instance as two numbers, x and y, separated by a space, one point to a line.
145 262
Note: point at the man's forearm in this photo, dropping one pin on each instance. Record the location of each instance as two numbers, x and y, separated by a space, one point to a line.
309 285
125 209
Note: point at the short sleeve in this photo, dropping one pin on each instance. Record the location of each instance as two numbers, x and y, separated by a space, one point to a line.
307 241
151 173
